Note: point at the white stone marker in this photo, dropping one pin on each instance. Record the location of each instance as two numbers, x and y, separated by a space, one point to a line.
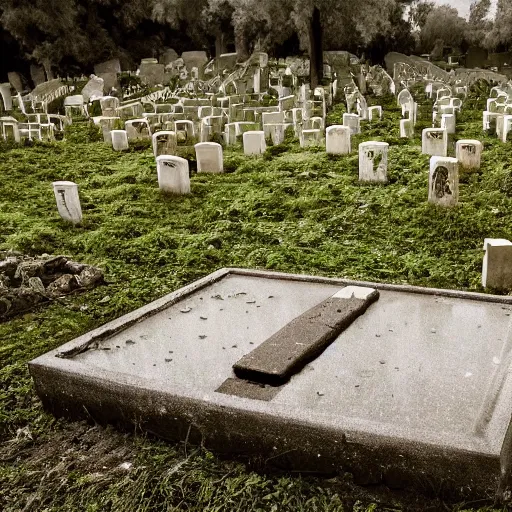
468 153
10 126
68 202
448 122
507 126
275 132
434 142
487 118
209 157
374 112
119 140
173 175
353 121
497 264
311 137
373 161
337 140
164 143
254 143
138 129
443 183
500 126
406 128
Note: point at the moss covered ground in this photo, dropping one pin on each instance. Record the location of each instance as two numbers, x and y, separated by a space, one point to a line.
293 210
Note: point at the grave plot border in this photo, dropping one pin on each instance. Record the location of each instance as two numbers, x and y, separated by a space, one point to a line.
234 426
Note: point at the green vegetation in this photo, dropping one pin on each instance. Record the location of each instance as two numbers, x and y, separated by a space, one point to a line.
293 210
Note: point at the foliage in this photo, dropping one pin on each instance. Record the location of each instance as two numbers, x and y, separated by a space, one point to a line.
444 24
500 37
418 13
478 25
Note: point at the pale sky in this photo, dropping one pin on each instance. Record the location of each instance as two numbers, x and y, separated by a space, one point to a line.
463 5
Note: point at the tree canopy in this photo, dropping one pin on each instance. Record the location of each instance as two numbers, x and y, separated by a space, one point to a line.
70 35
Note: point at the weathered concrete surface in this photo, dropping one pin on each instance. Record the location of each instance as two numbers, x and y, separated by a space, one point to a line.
416 390
287 351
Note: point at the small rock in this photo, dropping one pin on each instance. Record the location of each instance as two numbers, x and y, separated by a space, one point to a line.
319 393
63 285
202 336
90 276
130 342
203 318
186 310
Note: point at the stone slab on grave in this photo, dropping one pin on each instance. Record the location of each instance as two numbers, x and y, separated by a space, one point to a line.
419 383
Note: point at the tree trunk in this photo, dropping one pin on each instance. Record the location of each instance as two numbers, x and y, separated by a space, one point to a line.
241 45
220 45
48 69
316 57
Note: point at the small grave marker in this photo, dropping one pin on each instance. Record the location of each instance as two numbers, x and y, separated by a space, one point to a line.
68 202
173 174
443 186
373 161
209 157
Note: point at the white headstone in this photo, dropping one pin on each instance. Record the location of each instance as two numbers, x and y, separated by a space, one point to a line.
93 89
373 161
275 131
353 121
5 94
406 128
311 137
164 143
68 202
10 128
469 153
173 174
404 98
138 129
434 142
186 126
487 118
254 143
109 106
209 157
507 126
337 140
497 264
374 112
119 140
443 183
448 122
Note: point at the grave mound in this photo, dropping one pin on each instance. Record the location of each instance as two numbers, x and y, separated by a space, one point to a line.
27 281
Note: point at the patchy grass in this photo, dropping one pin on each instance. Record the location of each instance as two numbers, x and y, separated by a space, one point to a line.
292 210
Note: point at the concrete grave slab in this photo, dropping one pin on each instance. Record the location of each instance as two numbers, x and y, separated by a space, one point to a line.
418 385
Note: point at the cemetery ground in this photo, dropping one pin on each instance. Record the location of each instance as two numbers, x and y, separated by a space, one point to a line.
292 210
